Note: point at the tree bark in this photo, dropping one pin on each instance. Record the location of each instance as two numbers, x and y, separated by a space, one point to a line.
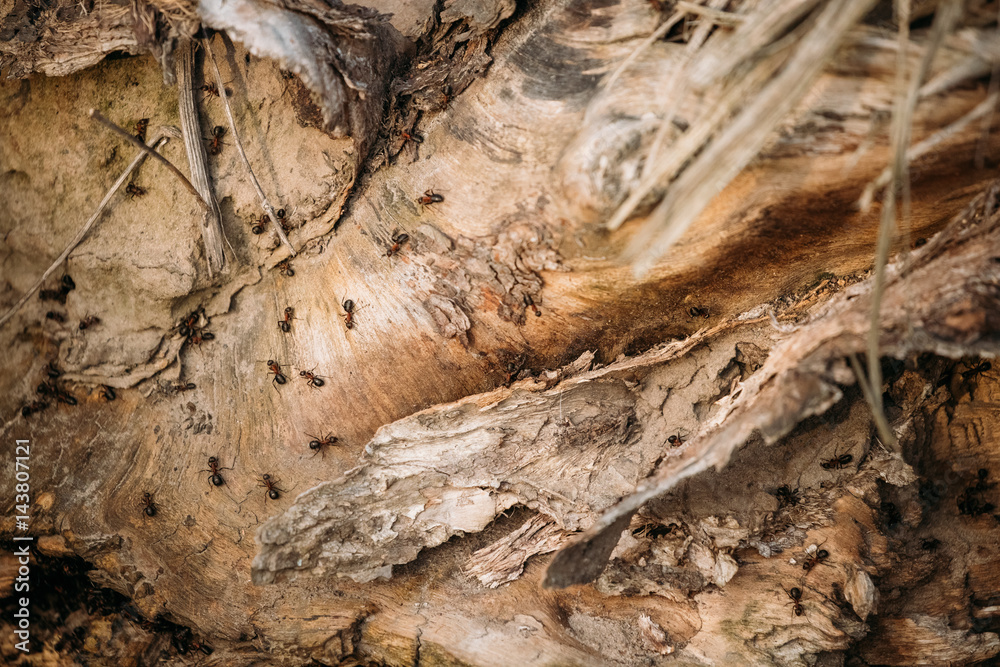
521 451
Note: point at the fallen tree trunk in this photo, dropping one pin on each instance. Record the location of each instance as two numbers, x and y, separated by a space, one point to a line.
504 387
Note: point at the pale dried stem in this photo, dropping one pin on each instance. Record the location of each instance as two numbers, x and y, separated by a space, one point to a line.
881 423
742 138
714 15
762 27
211 229
161 136
658 34
924 147
678 86
945 18
264 203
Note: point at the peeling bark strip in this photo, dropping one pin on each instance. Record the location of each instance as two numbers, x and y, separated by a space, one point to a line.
503 561
62 39
958 277
344 55
211 227
567 445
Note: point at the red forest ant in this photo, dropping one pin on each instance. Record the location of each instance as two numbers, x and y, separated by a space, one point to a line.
795 595
134 190
217 133
429 198
275 367
285 268
349 314
787 496
88 322
140 129
273 492
397 241
311 378
212 89
676 440
149 506
317 444
182 387
530 303
837 462
107 393
213 467
408 136
698 311
33 408
286 324
814 560
257 225
51 390
978 369
198 337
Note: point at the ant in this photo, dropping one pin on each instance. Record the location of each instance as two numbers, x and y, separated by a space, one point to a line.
107 393
183 387
183 641
349 316
280 215
88 322
52 295
430 198
217 133
66 286
32 408
312 379
140 129
699 311
285 268
676 440
814 560
258 224
978 369
52 390
317 444
213 467
982 485
190 323
275 367
795 595
52 315
513 369
134 190
52 371
150 506
654 530
971 502
286 324
408 136
211 89
787 496
397 241
273 492
199 337
530 303
837 462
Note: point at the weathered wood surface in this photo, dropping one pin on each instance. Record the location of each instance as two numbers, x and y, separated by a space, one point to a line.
517 152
